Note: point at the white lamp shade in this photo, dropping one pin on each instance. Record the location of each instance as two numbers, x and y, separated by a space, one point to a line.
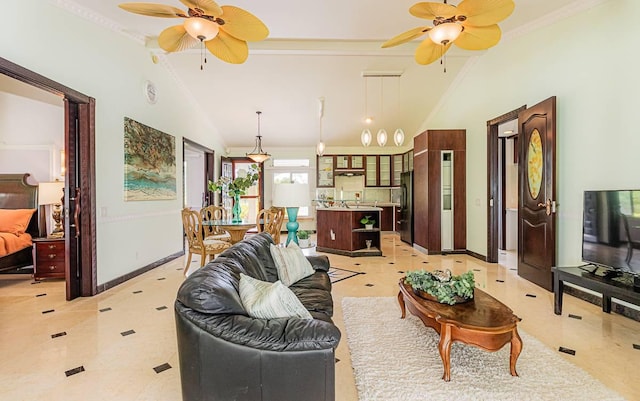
291 195
201 28
366 137
50 193
320 148
445 33
398 137
382 137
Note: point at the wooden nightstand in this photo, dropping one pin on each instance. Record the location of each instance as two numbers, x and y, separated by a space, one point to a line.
48 258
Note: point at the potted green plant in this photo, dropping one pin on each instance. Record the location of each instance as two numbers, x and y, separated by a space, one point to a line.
442 286
368 222
303 238
236 187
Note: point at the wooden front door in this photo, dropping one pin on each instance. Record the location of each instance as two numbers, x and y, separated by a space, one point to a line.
537 198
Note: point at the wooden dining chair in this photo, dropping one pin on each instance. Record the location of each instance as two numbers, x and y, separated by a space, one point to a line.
192 223
210 213
270 220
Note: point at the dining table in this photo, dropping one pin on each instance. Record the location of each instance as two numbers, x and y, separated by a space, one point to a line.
236 229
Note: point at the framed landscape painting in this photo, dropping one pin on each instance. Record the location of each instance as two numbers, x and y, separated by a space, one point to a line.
149 163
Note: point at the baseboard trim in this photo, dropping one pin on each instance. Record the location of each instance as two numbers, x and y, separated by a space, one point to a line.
476 255
135 273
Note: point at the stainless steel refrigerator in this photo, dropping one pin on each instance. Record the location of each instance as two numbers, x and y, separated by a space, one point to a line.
405 224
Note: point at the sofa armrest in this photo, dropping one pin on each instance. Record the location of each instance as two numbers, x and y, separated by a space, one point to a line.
319 262
292 334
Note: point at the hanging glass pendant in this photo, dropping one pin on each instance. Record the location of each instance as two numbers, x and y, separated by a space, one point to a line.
382 137
366 137
320 148
398 137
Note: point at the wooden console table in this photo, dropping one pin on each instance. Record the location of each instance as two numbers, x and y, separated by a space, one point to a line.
592 278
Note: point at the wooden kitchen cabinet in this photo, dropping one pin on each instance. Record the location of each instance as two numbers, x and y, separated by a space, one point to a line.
371 171
324 179
386 218
384 166
48 258
397 170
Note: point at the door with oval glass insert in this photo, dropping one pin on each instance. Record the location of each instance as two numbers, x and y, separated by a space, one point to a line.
537 225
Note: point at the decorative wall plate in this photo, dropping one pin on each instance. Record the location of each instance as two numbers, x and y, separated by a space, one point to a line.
150 92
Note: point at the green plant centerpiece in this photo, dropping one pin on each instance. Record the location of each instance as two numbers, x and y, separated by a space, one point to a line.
367 221
303 234
442 285
236 187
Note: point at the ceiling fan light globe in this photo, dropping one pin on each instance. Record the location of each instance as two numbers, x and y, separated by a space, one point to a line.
445 33
398 137
201 29
366 138
382 137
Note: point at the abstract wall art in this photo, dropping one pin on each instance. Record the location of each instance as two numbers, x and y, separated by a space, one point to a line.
149 163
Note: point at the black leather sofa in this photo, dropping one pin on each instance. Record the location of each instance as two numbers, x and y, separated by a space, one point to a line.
227 355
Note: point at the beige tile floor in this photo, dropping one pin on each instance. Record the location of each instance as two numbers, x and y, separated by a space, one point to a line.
121 367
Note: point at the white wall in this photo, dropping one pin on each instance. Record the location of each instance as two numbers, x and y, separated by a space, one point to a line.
590 62
111 68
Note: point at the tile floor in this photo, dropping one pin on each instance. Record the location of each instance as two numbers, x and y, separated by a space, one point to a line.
120 345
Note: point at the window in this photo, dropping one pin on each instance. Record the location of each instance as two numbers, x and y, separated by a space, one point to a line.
294 171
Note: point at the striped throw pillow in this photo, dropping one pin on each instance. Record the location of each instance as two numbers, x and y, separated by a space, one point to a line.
291 263
264 300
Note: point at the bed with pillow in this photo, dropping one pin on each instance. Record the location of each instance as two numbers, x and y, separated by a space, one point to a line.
255 324
18 221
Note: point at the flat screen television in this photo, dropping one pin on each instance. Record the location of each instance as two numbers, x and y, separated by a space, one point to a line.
611 229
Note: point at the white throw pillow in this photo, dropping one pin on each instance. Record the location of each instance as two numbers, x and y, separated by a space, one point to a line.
291 263
264 300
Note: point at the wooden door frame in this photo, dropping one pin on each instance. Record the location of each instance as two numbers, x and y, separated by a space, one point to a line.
81 273
494 212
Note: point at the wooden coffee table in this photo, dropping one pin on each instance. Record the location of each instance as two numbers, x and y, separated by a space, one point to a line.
484 322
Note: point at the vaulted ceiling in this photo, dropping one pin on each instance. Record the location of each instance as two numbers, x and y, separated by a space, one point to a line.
315 49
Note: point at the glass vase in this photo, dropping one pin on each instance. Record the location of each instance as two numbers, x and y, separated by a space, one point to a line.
236 209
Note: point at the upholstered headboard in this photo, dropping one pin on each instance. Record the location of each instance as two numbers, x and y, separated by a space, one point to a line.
17 193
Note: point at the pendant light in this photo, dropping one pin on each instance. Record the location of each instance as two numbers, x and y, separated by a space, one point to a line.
320 147
382 133
365 136
257 154
398 136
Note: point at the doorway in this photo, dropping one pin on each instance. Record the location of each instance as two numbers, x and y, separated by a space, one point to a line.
79 177
499 180
197 170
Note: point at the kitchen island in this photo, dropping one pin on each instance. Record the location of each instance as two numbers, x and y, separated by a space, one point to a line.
339 231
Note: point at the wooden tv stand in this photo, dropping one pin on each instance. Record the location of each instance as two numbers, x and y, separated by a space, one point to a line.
593 278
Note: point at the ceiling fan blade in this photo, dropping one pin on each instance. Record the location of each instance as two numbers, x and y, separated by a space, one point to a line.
228 48
429 51
485 12
243 25
208 7
431 11
479 37
153 10
175 38
406 36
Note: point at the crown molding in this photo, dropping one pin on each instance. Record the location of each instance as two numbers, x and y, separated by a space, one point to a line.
98 19
560 14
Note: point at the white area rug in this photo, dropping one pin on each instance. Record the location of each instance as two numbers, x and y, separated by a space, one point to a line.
398 359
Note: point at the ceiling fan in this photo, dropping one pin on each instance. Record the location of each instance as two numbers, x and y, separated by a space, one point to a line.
472 25
223 30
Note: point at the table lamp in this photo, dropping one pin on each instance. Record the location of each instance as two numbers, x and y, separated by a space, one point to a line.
291 196
51 193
